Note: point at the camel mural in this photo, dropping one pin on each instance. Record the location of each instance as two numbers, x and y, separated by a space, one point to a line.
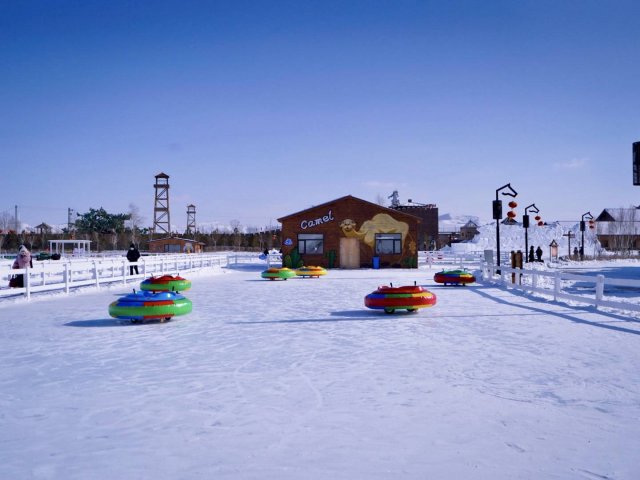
380 223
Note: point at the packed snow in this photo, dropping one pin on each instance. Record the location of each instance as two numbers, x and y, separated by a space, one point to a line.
512 238
297 379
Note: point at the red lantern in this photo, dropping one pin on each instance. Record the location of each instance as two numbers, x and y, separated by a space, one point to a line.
592 224
511 214
513 204
540 223
538 218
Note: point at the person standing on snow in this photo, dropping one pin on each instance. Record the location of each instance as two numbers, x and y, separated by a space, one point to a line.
133 254
23 260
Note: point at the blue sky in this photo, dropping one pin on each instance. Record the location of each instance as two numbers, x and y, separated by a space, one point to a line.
260 109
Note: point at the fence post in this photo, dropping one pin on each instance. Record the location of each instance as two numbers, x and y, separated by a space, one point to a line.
95 273
599 289
27 283
124 272
67 277
556 286
534 280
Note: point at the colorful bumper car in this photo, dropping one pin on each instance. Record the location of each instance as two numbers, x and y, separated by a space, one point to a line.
278 273
143 305
311 271
454 277
409 298
165 283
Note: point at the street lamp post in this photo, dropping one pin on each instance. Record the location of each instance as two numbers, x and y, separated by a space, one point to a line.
582 227
569 236
497 215
525 224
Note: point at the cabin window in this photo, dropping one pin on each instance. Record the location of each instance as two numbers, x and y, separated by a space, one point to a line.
388 243
310 243
172 248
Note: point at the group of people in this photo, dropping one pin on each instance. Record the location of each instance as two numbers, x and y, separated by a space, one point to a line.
538 255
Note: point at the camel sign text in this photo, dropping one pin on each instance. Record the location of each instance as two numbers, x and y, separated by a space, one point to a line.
304 224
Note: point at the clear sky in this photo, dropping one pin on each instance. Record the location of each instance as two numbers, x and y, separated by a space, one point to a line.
260 109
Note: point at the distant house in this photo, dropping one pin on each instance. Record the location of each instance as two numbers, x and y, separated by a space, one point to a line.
175 245
468 230
349 232
43 228
428 227
510 221
619 228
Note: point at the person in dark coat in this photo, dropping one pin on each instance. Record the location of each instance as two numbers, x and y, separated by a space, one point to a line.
133 254
538 254
531 254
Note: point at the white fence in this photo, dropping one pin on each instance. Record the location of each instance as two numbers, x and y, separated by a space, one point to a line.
466 259
273 259
558 285
67 274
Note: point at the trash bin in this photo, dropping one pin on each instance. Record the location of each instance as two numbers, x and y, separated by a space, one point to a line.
376 262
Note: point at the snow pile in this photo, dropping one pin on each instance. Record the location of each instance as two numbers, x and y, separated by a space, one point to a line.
512 237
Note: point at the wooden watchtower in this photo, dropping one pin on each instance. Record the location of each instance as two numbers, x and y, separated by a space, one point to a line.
191 219
161 218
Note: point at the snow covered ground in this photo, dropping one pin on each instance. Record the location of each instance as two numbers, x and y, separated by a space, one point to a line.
297 380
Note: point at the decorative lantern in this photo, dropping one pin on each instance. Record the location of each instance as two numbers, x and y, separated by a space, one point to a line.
540 223
511 214
538 218
513 204
592 224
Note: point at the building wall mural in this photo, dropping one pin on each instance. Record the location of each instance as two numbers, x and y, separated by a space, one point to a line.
379 223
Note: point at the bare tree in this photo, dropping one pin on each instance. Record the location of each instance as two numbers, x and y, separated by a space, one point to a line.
627 220
135 220
380 200
215 236
237 232
7 222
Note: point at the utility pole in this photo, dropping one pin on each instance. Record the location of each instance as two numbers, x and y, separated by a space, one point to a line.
69 222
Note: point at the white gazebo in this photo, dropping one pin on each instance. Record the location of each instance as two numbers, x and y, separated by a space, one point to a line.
78 247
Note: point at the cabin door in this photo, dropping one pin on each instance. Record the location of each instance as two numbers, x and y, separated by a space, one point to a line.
349 253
